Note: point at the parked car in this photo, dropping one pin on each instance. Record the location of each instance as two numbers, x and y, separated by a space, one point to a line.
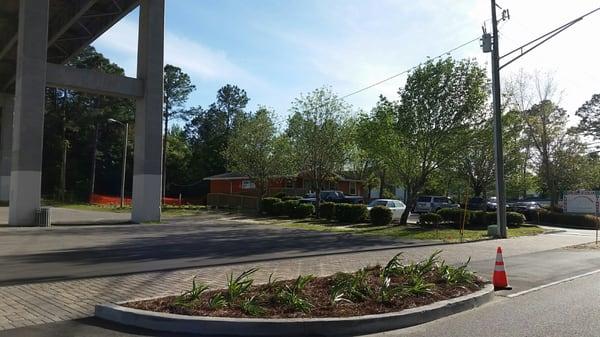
332 196
524 206
427 203
482 204
396 206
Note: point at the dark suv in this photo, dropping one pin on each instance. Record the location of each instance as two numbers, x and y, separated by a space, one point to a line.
481 204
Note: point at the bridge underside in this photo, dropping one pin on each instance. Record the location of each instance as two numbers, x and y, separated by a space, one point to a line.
37 37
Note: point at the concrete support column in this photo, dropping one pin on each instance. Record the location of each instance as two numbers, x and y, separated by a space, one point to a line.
7 104
148 115
26 161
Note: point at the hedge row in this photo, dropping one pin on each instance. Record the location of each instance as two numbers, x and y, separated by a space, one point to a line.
478 219
584 221
350 213
345 213
291 208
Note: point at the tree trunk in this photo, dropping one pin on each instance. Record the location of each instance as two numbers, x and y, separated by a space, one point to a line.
63 165
260 188
411 199
381 183
525 171
63 171
164 157
317 200
94 155
477 190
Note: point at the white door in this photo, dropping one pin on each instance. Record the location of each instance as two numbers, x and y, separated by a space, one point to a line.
392 206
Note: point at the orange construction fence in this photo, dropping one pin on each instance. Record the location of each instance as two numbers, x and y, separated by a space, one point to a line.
99 199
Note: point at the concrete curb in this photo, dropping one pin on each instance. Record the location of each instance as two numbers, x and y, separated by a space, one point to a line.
295 326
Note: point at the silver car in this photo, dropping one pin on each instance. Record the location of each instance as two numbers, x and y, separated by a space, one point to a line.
396 206
428 203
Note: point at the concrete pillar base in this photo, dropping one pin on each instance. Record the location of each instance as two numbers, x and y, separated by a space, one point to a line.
7 106
146 207
4 188
22 206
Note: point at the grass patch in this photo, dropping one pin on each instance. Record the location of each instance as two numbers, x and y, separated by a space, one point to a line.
400 232
168 211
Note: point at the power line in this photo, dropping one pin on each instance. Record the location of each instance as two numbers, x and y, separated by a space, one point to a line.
448 52
545 37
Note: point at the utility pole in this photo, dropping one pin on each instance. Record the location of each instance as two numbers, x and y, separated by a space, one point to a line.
498 145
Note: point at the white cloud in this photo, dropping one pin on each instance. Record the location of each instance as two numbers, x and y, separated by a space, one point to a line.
200 61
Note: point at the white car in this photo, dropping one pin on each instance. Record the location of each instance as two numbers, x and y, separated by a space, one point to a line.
396 206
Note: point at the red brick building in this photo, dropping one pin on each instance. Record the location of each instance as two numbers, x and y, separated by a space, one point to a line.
233 183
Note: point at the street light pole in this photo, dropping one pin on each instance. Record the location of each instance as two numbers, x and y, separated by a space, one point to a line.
124 166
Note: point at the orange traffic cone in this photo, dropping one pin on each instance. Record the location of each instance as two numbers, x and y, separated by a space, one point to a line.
499 279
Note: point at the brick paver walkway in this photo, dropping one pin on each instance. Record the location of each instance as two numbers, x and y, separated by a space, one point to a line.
31 304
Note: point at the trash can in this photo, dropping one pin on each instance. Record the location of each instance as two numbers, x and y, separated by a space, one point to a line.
42 217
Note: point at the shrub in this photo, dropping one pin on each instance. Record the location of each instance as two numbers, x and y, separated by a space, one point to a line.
584 221
350 213
478 219
327 210
278 208
267 205
280 195
380 216
430 220
453 215
302 211
291 197
514 218
288 206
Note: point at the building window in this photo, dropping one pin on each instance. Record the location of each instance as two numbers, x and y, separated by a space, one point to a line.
353 188
248 185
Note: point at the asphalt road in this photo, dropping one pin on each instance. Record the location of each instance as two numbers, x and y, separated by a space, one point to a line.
567 309
61 253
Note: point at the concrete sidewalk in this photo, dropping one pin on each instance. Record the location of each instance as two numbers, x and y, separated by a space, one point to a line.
31 304
67 216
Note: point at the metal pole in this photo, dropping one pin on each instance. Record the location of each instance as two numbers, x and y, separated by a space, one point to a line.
498 151
124 165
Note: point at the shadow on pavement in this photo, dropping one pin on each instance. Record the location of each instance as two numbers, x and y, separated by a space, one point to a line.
193 246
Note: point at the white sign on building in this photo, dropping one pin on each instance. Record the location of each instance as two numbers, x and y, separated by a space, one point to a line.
585 202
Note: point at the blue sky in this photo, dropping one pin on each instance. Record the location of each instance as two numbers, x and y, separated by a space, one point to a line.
277 49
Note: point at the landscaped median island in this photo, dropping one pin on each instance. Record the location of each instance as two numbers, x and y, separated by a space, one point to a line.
396 287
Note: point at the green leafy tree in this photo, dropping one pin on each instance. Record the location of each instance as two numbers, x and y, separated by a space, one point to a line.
318 132
589 113
256 150
476 163
210 129
360 166
177 88
179 154
554 148
431 124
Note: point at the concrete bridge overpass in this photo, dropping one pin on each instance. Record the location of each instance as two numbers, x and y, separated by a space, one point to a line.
37 37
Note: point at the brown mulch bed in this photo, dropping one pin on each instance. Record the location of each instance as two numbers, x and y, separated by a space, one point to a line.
318 293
